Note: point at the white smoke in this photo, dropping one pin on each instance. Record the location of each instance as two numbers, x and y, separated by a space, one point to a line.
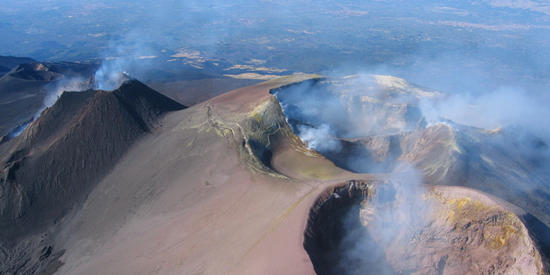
125 57
384 223
319 138
55 89
18 130
493 110
109 77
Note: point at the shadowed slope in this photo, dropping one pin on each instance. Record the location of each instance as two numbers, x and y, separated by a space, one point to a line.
3 70
60 156
12 61
145 104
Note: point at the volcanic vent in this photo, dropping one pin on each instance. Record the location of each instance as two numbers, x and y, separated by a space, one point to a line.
374 124
327 230
388 227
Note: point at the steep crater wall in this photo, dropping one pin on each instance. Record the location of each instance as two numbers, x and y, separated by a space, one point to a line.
390 227
334 225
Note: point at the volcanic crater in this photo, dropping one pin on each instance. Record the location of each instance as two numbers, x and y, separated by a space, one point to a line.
387 227
376 126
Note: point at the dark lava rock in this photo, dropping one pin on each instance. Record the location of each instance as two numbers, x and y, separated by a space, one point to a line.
58 159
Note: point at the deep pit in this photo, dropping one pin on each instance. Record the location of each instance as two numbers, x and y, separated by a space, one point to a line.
391 227
334 226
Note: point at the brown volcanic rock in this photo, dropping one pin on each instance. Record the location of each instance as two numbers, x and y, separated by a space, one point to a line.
53 120
507 163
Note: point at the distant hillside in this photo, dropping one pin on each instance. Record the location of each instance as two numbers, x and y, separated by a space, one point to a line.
11 62
7 63
3 70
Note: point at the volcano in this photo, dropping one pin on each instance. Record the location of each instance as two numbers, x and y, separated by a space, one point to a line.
131 182
90 131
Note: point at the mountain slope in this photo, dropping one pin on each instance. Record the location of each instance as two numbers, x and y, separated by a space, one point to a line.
59 157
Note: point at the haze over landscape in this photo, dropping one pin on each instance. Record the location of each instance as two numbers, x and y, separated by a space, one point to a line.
274 137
